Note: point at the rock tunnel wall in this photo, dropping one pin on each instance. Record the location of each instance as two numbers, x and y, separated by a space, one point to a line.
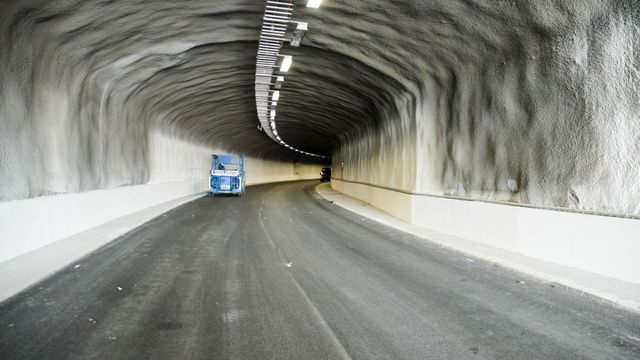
115 107
98 95
535 103
118 104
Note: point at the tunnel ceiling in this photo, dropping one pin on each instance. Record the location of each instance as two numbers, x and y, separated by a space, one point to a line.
189 65
495 95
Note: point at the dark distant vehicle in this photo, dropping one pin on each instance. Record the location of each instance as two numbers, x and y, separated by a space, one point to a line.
325 174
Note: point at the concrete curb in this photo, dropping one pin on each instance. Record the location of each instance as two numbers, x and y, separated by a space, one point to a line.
621 293
21 272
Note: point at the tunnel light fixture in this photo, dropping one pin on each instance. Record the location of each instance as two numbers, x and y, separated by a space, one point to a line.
298 33
286 63
275 32
279 81
314 3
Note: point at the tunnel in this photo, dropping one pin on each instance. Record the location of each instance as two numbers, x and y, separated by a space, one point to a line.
477 148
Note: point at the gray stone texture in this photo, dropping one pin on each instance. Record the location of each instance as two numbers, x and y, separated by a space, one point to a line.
528 101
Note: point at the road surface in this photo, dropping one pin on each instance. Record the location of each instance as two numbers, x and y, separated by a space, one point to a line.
282 274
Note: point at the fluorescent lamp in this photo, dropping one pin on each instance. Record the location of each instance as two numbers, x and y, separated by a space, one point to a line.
273 114
279 81
298 34
286 63
276 95
314 3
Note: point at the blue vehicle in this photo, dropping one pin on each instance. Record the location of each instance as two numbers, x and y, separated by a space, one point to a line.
226 175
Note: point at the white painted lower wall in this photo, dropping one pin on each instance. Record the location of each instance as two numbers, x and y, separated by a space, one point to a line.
265 171
177 169
174 159
603 245
395 203
29 224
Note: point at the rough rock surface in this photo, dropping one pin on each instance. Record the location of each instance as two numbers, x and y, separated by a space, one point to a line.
525 101
530 101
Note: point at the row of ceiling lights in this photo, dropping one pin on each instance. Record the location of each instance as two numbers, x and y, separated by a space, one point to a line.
276 24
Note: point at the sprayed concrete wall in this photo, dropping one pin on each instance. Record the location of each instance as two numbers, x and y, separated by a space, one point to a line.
522 103
530 103
107 108
87 85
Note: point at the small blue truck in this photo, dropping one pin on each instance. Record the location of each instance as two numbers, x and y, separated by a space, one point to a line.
226 175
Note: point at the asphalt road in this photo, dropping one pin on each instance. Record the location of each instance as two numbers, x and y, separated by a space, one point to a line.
281 274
